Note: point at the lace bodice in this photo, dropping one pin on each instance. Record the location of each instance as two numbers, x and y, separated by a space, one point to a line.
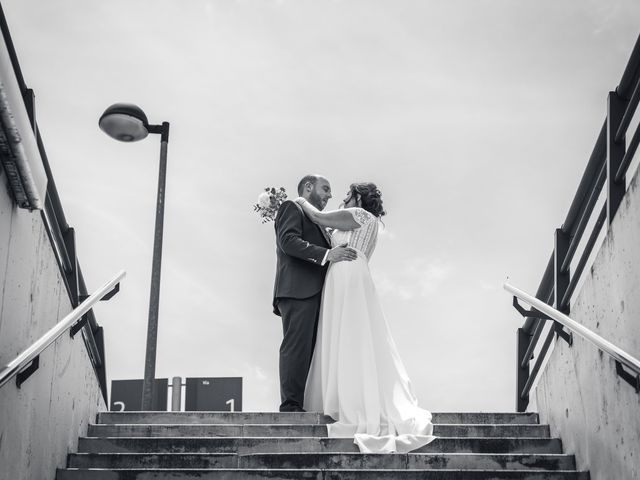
364 238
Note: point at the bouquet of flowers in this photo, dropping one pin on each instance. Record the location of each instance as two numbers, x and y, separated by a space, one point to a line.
269 202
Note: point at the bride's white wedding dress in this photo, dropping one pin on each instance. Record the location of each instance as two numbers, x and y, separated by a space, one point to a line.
356 375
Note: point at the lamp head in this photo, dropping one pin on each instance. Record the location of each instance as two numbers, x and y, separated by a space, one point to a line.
124 122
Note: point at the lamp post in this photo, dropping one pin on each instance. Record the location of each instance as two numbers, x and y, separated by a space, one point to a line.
128 123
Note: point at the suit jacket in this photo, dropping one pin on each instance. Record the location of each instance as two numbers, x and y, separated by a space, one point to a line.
300 247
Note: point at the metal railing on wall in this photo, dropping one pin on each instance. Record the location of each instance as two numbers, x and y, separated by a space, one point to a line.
28 361
621 357
61 235
606 169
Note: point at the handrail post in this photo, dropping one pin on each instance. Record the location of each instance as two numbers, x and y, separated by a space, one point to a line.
560 279
69 239
522 372
615 154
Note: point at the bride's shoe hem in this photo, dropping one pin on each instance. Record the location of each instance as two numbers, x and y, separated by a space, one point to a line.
388 444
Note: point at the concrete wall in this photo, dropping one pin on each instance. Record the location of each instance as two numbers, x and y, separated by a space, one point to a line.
41 421
593 411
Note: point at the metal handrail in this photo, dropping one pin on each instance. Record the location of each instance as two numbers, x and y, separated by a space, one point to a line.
592 337
11 369
607 166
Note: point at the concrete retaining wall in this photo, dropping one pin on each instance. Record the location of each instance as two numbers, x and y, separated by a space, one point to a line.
41 421
597 414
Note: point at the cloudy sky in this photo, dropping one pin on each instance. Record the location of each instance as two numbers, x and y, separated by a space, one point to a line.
475 117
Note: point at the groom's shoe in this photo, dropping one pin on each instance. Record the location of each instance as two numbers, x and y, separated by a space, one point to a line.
292 408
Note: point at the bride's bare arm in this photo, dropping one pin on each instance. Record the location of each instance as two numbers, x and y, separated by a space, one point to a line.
340 219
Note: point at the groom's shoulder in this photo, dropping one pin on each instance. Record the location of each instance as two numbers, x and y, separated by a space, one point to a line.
288 208
290 205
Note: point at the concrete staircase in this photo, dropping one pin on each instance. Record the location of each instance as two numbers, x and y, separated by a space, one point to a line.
223 445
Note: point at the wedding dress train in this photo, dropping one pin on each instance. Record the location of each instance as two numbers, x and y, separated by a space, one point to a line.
356 375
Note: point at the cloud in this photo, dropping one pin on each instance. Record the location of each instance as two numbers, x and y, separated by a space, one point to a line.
420 277
386 234
386 286
603 16
428 274
260 374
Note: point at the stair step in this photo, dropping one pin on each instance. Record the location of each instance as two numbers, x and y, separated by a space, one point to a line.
324 461
237 474
256 445
298 418
305 444
300 430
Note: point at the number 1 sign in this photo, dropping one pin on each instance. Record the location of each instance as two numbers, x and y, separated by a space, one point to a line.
223 394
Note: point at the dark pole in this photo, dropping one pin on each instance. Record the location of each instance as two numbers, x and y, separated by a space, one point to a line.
154 298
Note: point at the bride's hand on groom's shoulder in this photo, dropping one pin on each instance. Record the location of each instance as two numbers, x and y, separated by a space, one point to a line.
299 200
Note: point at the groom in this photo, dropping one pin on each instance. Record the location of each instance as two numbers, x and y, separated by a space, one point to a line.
303 252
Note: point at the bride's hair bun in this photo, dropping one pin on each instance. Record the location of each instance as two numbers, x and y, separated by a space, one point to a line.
370 196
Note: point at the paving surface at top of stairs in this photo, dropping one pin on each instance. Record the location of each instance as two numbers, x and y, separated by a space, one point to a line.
239 445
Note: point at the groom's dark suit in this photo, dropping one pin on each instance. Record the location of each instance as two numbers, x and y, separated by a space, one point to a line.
301 247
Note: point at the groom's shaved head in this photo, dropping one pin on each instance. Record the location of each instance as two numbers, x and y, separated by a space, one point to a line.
312 179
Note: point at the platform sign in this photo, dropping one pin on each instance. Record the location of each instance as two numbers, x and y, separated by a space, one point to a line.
126 395
221 394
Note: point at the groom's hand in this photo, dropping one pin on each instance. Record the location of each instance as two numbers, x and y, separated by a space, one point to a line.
342 253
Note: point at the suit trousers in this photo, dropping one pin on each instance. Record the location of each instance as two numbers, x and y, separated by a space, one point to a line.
299 326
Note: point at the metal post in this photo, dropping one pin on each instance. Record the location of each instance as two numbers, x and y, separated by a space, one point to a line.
154 298
615 154
522 372
176 394
69 238
30 102
560 279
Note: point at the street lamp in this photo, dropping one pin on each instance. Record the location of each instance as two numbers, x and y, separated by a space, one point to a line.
128 123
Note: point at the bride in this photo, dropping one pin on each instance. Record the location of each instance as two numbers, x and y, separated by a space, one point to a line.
356 375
